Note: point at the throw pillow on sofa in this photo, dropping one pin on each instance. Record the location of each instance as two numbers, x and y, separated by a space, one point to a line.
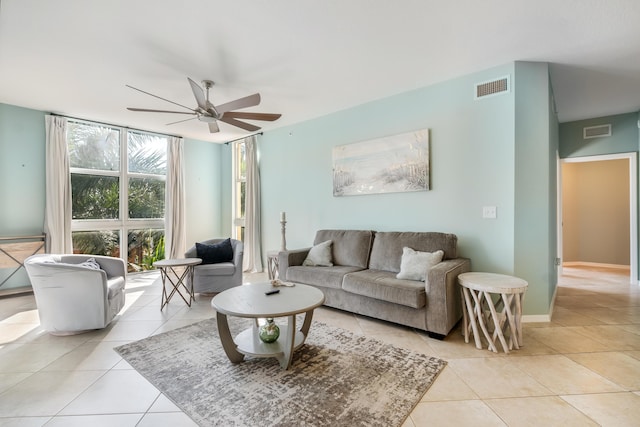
415 265
215 253
319 255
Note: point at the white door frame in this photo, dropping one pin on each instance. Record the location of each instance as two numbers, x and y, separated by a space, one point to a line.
559 214
633 204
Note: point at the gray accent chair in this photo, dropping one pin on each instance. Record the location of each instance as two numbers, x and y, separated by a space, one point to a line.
72 298
363 279
213 278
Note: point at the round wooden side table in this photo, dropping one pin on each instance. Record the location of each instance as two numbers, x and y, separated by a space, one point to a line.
479 309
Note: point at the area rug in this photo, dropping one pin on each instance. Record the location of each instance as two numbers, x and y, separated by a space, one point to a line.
337 378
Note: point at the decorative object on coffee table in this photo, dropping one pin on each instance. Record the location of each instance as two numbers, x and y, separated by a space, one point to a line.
269 332
479 309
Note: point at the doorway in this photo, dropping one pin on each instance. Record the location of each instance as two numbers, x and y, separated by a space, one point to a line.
597 211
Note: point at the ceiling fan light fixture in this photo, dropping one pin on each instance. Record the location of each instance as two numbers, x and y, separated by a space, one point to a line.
206 112
206 119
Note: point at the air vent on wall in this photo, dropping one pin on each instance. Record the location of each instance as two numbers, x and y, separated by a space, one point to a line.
596 131
492 88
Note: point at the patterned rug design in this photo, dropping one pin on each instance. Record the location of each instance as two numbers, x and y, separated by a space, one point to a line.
337 379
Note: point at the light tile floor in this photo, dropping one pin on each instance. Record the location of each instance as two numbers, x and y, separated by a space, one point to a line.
582 368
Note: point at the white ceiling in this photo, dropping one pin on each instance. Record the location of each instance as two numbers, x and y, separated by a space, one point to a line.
307 58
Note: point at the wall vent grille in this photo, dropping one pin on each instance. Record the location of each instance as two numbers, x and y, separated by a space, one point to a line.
596 131
492 88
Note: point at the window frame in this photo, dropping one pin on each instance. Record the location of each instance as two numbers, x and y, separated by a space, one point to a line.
238 222
123 224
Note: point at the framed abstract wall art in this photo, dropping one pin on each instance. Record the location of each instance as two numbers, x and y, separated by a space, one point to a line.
392 164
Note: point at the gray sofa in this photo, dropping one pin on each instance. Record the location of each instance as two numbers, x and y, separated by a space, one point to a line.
363 279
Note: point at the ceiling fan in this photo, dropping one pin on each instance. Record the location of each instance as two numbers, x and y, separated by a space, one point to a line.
208 113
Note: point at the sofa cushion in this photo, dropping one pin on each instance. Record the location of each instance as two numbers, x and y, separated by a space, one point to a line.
415 265
319 255
350 247
218 269
329 277
383 285
215 253
386 253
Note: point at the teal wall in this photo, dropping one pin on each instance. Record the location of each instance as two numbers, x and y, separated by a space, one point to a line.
22 182
496 151
22 176
624 136
22 171
227 185
535 189
475 150
203 190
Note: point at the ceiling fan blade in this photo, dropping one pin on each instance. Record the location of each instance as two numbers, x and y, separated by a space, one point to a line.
199 94
269 117
180 121
213 127
247 101
238 123
159 97
146 110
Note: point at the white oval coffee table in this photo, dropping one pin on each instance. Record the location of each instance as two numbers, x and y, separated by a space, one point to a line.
250 301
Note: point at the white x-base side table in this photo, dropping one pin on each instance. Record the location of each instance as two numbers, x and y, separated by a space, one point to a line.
170 272
480 311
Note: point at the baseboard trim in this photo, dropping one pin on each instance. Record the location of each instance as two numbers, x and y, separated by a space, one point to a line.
594 264
542 318
536 318
11 292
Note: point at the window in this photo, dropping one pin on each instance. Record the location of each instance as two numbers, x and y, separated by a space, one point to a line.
239 188
117 186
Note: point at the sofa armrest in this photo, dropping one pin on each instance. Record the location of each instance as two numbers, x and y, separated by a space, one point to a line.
290 258
444 308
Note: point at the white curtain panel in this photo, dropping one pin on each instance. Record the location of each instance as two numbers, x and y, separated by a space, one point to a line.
57 218
252 261
174 224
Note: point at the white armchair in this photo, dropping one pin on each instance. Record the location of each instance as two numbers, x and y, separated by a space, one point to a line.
73 298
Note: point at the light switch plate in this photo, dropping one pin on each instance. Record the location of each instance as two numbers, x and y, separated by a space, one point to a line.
489 212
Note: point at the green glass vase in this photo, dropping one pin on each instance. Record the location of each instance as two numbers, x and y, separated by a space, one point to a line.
269 332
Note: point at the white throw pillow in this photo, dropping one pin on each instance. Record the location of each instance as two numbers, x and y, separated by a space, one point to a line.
319 255
416 265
